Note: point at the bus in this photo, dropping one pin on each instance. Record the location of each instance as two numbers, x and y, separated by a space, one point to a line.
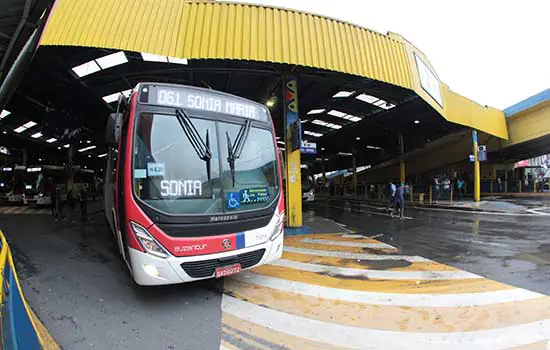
193 186
41 181
16 194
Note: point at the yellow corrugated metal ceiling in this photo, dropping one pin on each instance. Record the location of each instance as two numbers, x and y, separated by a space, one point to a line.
211 30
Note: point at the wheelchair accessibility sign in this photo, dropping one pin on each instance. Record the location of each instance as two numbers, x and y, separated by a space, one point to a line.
233 200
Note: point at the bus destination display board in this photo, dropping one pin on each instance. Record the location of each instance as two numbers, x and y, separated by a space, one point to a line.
204 101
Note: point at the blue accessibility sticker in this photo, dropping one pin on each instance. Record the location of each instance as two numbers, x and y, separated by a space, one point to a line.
255 195
233 200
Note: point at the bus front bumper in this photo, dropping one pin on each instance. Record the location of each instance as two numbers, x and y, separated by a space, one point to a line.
149 270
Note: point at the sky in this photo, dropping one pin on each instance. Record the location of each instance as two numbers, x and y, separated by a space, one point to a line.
496 53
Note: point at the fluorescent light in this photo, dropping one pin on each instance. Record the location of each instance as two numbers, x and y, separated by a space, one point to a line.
29 125
4 114
59 147
88 141
319 122
112 60
66 146
20 129
367 98
102 155
375 101
37 135
354 118
344 154
153 58
7 169
86 148
89 156
328 125
316 111
311 133
280 143
4 132
374 147
322 148
126 93
50 140
178 60
344 94
86 69
417 122
336 113
111 98
358 138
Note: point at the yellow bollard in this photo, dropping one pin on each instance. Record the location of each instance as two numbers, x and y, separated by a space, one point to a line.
491 183
451 195
431 196
535 186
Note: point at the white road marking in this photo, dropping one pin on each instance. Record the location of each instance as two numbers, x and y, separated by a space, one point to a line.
379 245
363 338
393 299
536 212
379 274
349 255
361 236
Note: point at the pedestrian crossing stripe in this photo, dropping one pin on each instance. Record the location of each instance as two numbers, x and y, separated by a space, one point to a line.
323 295
24 210
383 265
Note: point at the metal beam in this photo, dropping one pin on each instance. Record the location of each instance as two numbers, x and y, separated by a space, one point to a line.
15 36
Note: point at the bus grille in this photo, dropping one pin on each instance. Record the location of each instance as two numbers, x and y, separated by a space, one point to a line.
205 268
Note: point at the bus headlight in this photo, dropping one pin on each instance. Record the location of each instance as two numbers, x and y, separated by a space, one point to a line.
279 227
147 241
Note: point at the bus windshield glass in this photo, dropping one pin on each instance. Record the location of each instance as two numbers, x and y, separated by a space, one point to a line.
170 175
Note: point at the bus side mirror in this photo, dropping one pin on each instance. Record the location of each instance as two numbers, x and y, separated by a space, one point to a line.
114 124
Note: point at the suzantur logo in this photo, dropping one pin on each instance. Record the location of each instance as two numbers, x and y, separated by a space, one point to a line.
190 248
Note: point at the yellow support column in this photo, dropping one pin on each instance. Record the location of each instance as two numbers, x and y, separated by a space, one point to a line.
477 176
293 140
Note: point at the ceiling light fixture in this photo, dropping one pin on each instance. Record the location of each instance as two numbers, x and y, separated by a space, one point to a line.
316 111
4 114
343 94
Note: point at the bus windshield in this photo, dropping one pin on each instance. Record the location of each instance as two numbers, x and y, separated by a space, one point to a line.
169 175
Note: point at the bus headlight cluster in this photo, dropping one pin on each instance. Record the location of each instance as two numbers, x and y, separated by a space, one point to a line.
147 241
279 227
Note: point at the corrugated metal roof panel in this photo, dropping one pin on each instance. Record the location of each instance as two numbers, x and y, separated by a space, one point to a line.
229 31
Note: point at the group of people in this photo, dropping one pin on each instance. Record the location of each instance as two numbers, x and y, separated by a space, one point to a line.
59 205
443 186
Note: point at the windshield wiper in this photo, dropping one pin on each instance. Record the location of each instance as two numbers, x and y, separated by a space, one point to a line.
234 151
202 147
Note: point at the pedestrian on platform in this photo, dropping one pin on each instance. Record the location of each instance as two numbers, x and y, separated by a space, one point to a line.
392 189
437 188
83 204
460 187
399 202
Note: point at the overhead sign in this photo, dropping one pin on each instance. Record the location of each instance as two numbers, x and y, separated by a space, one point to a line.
308 148
429 81
204 100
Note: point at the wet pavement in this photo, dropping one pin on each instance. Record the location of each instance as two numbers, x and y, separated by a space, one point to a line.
513 249
85 297
383 282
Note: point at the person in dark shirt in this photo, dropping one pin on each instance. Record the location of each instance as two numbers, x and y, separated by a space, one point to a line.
399 201
83 204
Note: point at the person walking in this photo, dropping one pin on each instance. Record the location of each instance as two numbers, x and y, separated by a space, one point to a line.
83 204
460 187
399 202
53 200
437 188
392 189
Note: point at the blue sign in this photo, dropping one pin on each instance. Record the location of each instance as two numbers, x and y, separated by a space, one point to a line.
233 200
254 195
472 158
155 169
308 148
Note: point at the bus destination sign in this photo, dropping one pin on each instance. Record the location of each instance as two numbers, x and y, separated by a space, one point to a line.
204 101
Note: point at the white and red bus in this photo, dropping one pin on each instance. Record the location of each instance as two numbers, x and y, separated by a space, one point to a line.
193 185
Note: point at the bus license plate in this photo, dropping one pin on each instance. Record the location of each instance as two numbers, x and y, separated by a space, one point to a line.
227 270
